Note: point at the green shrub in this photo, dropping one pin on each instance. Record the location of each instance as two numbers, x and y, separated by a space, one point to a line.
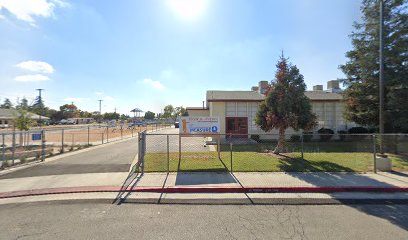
307 136
5 164
358 130
325 134
255 137
342 135
295 138
23 159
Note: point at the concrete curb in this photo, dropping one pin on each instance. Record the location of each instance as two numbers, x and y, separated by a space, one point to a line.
95 189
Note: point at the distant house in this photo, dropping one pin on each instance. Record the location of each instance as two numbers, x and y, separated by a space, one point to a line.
237 109
7 117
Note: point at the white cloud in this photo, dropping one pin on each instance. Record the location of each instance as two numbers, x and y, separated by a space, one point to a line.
36 66
154 84
31 78
99 93
75 99
108 98
26 10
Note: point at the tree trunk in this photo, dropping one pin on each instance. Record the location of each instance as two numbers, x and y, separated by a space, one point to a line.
280 148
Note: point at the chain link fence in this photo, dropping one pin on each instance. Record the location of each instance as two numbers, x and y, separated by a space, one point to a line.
19 147
258 153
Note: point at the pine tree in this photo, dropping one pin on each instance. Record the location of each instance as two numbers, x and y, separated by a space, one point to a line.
7 104
38 106
286 104
23 104
362 67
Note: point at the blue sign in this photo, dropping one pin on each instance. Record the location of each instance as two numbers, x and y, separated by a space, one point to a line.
36 136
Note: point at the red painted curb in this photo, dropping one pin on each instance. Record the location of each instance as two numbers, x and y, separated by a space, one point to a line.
173 189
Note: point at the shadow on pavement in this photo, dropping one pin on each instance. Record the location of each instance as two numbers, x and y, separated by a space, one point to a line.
327 174
200 178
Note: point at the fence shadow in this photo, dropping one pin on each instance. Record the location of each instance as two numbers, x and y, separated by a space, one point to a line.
200 178
393 213
289 164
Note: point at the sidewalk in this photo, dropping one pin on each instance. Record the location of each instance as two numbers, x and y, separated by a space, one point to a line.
231 185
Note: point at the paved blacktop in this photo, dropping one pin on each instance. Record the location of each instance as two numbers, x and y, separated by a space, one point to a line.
103 172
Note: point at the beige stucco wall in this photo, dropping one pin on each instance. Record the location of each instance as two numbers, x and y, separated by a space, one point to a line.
198 112
217 109
330 115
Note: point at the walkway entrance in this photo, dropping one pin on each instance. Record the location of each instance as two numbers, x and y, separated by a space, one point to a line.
237 127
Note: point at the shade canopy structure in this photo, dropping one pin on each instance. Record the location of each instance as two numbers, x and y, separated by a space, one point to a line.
136 112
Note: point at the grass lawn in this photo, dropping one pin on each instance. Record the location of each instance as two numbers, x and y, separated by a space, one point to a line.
267 162
255 158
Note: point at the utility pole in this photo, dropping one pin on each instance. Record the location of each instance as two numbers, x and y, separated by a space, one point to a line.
100 106
381 77
41 103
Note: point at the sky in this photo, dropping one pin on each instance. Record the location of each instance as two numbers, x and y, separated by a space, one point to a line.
150 53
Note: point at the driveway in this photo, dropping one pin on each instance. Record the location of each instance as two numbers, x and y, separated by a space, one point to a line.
116 157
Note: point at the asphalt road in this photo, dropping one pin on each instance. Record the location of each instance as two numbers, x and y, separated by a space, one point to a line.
53 220
116 157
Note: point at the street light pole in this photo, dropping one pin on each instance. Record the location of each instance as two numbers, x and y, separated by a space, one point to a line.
100 106
381 77
40 101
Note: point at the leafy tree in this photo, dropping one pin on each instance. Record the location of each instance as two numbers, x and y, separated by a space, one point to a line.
286 104
23 104
7 104
362 67
38 106
69 111
23 122
111 116
85 114
149 115
179 111
124 117
168 111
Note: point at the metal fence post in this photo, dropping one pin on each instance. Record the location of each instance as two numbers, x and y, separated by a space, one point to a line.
3 151
42 145
231 154
374 154
13 147
102 137
131 131
88 135
179 147
107 134
62 141
121 132
168 154
219 146
139 154
302 143
143 149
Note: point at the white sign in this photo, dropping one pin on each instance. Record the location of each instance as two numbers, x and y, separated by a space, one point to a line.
199 125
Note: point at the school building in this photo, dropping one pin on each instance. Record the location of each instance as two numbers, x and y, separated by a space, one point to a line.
237 109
